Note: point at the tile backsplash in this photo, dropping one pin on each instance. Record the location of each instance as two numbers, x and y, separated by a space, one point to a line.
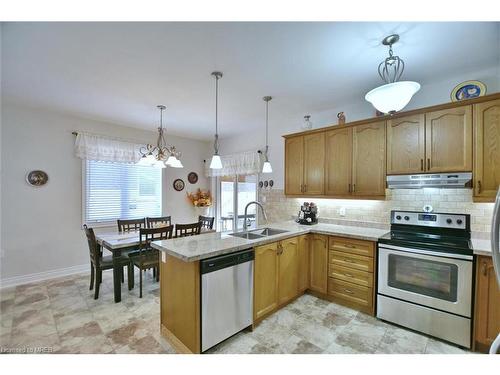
376 212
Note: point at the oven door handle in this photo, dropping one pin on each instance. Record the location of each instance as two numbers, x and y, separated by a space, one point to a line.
426 252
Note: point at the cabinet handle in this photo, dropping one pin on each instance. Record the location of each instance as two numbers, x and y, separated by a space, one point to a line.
485 269
301 188
428 164
305 188
349 246
421 164
348 275
353 188
479 187
349 188
348 291
348 260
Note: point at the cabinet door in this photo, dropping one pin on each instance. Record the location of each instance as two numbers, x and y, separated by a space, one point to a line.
265 280
368 159
288 270
338 161
406 144
448 140
487 149
487 319
294 165
303 263
319 263
314 164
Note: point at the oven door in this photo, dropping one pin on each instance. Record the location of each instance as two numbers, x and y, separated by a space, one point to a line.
426 278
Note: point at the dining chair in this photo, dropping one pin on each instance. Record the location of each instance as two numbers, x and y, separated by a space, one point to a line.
98 263
207 222
184 230
156 222
149 257
127 225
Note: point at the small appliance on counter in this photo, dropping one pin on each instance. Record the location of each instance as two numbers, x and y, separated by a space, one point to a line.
308 214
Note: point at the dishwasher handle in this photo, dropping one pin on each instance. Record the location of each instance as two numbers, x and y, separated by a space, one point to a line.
226 260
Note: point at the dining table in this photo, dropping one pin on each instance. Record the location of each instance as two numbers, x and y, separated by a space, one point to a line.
119 243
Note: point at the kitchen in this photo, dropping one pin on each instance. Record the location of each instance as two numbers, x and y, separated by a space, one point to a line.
189 215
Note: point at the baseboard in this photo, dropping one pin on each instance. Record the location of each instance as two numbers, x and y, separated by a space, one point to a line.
40 276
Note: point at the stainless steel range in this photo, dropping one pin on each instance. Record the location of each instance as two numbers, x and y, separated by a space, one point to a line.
425 268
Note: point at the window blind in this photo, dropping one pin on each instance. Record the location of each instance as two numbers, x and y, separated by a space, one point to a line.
121 191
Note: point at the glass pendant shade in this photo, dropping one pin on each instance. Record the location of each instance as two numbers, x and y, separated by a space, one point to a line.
266 168
176 164
216 162
392 97
170 161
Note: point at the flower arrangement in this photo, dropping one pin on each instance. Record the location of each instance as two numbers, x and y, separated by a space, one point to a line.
200 198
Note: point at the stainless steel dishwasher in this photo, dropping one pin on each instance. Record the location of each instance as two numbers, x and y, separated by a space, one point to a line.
226 296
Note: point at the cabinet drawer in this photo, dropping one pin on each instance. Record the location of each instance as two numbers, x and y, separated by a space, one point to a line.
351 275
352 246
357 294
349 260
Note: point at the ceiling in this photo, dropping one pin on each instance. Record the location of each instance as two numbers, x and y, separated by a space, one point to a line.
119 72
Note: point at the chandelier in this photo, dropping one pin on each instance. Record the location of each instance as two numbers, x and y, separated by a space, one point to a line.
394 95
160 155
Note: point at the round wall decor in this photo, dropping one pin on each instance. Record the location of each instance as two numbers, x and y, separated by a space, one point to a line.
468 90
37 178
192 178
178 185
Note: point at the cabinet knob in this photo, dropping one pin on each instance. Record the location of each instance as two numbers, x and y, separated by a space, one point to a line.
479 186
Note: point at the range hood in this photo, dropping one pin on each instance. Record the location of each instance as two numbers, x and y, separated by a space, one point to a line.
434 180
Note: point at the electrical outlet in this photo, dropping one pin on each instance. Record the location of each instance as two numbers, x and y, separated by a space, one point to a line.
342 211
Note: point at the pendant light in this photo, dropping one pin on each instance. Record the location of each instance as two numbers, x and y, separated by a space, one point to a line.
160 155
266 168
394 95
216 162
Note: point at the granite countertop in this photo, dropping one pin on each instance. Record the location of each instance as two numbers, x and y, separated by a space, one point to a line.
203 246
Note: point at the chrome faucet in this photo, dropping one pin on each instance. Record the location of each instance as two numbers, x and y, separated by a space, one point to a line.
246 209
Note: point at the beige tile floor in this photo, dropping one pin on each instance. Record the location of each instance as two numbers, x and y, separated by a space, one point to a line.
61 316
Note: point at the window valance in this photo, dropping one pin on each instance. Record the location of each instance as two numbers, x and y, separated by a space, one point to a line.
100 148
244 163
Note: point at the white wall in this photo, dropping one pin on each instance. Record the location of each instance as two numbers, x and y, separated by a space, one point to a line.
431 93
41 228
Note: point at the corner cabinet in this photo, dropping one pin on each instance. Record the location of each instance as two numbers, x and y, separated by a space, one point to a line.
487 314
486 150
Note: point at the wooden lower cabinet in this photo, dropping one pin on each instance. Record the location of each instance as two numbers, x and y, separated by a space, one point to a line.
318 261
487 310
265 280
288 270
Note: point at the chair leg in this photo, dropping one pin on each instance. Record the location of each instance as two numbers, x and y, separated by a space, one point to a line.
140 284
97 283
130 276
91 276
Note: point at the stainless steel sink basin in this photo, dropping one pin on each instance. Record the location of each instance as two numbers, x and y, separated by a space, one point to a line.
246 235
268 231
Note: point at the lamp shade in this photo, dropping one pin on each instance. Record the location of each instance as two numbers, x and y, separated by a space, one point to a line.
392 97
266 168
176 164
216 163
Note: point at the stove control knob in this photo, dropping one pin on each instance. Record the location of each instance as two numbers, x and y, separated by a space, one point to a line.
407 218
449 221
459 221
398 217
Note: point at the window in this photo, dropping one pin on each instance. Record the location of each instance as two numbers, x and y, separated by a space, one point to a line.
235 192
120 191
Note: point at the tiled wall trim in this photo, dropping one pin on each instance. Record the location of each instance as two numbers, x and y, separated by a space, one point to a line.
376 212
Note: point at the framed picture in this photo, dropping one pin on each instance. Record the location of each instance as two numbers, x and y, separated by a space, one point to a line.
468 90
178 185
37 178
192 178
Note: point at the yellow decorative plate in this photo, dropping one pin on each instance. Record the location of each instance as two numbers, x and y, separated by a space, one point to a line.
468 90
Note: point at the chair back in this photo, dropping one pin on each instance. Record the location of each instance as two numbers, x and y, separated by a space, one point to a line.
157 222
95 253
146 235
130 224
184 230
207 222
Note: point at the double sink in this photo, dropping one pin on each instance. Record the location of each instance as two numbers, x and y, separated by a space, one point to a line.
258 233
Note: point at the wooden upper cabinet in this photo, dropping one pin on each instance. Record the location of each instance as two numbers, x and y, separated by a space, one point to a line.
288 270
486 149
314 164
448 138
487 315
294 165
368 159
406 144
338 161
318 261
265 280
303 262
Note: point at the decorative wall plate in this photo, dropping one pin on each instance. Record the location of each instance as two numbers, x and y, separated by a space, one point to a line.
37 178
261 184
468 90
192 177
271 183
178 185
266 183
